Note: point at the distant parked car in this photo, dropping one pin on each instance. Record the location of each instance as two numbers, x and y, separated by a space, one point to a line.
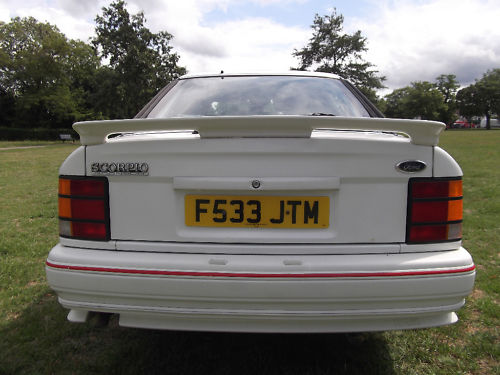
462 124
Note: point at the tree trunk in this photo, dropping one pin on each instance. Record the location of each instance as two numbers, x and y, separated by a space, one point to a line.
488 126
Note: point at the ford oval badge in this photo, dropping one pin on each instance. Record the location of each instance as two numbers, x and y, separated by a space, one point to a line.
411 166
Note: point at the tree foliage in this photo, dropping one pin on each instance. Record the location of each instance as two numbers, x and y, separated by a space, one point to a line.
468 103
140 62
395 103
41 74
332 50
47 80
448 85
424 100
481 98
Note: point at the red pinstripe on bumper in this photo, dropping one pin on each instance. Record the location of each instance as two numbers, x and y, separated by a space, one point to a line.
261 275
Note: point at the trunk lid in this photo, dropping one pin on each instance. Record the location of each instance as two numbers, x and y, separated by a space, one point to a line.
151 175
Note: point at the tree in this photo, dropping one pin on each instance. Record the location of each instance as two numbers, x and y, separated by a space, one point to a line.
481 98
39 67
425 101
419 100
448 85
140 62
467 102
395 103
332 50
7 105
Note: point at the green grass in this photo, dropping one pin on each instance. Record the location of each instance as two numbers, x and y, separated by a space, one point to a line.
8 144
37 339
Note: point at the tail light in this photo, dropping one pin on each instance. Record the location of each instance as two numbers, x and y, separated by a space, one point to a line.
84 208
434 210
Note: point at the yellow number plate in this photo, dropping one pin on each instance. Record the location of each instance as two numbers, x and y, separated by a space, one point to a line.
257 211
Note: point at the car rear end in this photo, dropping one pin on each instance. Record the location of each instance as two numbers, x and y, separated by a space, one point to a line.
264 223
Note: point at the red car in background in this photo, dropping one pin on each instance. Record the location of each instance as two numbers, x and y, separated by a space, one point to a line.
462 124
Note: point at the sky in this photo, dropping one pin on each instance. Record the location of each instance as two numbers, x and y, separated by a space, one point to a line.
407 40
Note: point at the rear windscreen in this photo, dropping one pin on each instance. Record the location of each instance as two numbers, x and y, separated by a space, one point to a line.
258 96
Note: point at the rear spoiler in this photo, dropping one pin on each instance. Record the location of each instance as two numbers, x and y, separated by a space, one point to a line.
420 132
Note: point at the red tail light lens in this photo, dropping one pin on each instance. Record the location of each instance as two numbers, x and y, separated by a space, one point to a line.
435 210
84 208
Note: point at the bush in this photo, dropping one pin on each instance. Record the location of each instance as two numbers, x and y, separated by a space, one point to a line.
39 134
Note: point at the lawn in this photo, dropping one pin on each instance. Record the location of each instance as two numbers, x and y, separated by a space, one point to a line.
9 144
37 339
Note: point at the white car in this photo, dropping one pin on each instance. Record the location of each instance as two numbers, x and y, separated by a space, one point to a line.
261 203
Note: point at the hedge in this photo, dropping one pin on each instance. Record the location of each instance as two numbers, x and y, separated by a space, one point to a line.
41 134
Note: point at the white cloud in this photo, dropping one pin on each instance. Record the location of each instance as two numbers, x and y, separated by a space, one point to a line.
411 41
183 19
72 27
249 44
269 2
4 13
255 44
73 19
79 8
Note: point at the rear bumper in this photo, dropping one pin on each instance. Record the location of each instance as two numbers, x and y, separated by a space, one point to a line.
263 293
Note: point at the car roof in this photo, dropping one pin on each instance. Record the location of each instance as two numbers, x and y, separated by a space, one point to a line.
292 73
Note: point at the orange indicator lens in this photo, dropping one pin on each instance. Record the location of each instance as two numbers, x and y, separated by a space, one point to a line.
455 210
455 188
65 207
64 186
